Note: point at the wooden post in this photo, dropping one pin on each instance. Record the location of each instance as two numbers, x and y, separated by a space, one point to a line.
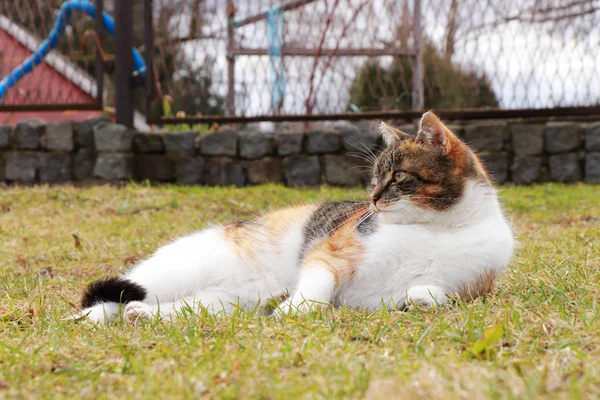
99 60
418 94
230 58
149 45
124 62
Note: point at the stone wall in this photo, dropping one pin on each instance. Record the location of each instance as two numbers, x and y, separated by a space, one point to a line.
337 154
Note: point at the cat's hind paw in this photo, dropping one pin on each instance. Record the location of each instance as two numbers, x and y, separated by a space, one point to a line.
136 310
427 296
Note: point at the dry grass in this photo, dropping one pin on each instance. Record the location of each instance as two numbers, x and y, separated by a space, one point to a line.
536 336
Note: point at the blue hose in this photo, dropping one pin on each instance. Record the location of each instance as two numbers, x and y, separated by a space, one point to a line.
64 16
275 23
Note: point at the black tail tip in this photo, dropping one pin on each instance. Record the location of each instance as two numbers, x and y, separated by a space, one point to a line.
116 290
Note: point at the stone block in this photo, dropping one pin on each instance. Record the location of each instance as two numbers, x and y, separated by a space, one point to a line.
28 134
561 137
219 143
263 171
148 143
526 170
55 167
113 166
5 136
565 167
320 142
223 171
58 136
592 137
154 167
84 132
302 171
497 166
3 157
486 136
180 144
21 167
254 144
84 163
112 138
527 140
289 143
339 171
592 167
190 171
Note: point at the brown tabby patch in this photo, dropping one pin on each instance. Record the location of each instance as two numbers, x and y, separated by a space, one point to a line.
479 286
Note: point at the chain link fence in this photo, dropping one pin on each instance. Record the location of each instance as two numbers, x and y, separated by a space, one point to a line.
272 58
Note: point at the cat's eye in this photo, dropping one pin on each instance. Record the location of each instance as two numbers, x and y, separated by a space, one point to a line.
399 176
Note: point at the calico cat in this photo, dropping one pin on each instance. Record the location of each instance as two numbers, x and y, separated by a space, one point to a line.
432 230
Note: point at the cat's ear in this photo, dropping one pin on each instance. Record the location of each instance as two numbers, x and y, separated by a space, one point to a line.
391 135
433 132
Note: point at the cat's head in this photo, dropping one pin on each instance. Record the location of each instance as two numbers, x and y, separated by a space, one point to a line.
426 172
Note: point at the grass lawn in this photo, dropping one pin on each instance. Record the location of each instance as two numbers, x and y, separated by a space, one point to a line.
537 335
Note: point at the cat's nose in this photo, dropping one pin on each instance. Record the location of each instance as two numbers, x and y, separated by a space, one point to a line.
375 198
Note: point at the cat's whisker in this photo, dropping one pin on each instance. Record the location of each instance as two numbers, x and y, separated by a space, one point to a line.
365 147
367 215
362 156
349 216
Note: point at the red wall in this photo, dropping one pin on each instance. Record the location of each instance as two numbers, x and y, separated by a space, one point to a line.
42 86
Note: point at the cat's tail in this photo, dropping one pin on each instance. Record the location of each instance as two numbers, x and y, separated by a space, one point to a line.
112 290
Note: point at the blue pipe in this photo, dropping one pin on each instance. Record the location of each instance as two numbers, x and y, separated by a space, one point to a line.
64 16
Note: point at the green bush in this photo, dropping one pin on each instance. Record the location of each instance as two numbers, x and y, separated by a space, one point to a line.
447 85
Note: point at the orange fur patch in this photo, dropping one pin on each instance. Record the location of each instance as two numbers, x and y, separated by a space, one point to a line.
244 239
247 238
280 221
425 195
340 253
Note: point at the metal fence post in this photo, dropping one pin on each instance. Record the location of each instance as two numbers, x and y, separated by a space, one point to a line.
230 58
149 45
418 95
124 62
99 60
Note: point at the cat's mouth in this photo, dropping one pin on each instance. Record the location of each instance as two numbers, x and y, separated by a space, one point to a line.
382 206
374 208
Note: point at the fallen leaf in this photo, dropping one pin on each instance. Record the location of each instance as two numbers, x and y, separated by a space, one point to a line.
130 261
491 336
77 242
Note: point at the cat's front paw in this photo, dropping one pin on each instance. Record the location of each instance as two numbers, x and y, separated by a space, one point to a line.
427 296
136 310
294 305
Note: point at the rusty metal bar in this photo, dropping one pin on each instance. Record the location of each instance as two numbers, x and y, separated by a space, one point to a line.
585 112
99 60
259 17
51 107
305 52
230 58
124 62
149 50
418 92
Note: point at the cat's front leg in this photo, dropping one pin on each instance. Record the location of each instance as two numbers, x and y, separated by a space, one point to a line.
315 287
428 296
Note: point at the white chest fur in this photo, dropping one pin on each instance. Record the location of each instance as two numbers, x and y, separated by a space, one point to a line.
441 253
